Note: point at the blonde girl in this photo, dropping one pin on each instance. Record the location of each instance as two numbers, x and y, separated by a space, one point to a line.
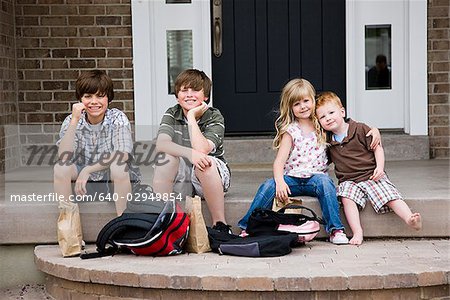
300 166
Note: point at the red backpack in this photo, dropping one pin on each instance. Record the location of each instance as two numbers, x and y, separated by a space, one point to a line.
145 233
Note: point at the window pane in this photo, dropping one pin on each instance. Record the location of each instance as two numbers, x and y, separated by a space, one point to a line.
378 57
179 54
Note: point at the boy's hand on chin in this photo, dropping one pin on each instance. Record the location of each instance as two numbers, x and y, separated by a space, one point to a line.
198 111
77 110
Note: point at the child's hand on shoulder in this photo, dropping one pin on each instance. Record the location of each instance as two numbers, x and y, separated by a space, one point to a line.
77 110
377 174
198 111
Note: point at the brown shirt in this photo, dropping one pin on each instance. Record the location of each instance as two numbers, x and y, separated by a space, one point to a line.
353 158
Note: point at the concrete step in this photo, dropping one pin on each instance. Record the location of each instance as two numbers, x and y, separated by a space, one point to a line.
259 150
424 185
378 269
247 150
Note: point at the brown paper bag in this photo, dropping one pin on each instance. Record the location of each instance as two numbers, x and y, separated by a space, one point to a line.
278 204
70 238
197 241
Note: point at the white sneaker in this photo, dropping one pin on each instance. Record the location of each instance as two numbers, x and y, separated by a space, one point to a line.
338 237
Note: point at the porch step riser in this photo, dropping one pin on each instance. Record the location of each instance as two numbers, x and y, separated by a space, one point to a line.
41 228
259 151
396 147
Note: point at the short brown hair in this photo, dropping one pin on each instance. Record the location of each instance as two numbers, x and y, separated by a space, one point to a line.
194 79
92 82
328 97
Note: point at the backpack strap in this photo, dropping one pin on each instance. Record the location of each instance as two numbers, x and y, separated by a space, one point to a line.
314 215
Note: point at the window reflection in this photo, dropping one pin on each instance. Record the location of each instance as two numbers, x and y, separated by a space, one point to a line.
378 57
179 54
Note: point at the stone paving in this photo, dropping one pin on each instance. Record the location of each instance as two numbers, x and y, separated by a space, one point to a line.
317 266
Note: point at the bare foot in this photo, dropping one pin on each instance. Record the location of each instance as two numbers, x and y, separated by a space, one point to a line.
415 221
357 238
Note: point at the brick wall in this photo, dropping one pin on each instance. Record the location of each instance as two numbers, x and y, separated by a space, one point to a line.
438 77
9 141
57 39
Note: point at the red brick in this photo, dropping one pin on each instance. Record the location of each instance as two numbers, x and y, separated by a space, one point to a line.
39 118
437 34
29 85
81 42
81 20
64 96
441 45
441 67
38 96
28 64
37 74
92 31
56 107
63 31
110 63
108 20
29 107
438 77
115 74
85 63
119 53
55 64
92 53
35 32
64 10
54 42
36 10
63 53
118 10
27 21
53 21
119 31
91 9
440 142
108 42
65 74
37 53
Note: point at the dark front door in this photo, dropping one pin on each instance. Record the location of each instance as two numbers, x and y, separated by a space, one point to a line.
265 44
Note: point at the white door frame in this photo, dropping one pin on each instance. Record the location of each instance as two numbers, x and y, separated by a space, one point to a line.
146 75
415 88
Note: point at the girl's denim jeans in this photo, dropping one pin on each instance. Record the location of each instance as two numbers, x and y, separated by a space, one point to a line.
318 185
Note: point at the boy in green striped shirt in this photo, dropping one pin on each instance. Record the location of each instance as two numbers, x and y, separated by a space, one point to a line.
191 135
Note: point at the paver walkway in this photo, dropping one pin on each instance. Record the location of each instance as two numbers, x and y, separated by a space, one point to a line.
376 264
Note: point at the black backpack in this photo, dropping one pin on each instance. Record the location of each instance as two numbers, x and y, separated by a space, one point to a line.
257 246
266 221
148 233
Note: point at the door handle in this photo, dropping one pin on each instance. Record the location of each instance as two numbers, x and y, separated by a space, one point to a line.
217 17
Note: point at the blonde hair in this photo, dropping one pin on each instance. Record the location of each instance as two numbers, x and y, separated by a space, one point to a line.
328 97
295 90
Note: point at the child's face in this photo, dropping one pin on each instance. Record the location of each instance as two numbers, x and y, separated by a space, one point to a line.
95 107
331 116
189 98
303 108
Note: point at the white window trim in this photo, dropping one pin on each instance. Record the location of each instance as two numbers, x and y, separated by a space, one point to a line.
416 97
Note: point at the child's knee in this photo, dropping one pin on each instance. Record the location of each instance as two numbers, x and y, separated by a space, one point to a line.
170 163
119 172
207 172
64 171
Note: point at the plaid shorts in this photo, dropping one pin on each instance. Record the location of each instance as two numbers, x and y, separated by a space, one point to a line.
379 193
